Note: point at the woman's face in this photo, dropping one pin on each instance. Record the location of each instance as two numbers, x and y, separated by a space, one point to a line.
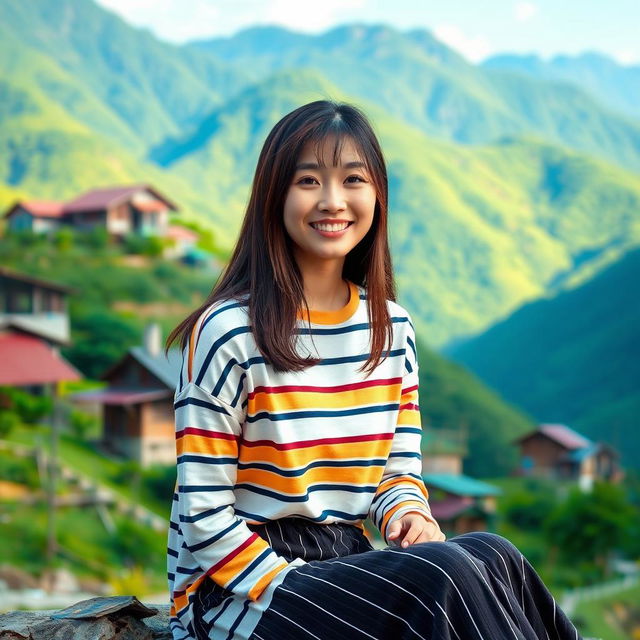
328 209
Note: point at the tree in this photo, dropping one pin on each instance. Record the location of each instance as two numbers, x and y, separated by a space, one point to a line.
586 527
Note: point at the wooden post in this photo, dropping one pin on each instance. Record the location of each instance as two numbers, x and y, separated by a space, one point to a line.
52 479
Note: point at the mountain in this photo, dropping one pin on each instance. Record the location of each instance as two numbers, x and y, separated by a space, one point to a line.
421 81
476 230
573 358
611 83
153 88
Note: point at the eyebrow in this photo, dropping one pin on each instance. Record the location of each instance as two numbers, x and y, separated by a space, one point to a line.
312 165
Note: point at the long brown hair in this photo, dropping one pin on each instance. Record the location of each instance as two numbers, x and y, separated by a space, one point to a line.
262 264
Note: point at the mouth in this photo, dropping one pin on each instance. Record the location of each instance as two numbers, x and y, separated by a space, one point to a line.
330 230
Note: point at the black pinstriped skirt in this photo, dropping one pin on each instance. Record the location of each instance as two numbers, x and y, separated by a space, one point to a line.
475 586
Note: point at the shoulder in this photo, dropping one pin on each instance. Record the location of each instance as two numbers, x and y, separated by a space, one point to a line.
220 317
219 336
401 317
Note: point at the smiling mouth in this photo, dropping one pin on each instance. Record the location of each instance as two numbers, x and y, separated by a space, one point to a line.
330 228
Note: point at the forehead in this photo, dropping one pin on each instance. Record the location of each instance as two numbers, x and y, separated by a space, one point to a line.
329 150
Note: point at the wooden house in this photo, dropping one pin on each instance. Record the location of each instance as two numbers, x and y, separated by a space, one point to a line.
39 216
558 452
460 503
34 323
136 208
137 404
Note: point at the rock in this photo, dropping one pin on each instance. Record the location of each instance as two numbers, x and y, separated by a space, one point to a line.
17 578
115 618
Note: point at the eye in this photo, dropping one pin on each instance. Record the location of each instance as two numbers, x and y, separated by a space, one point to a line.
358 177
302 180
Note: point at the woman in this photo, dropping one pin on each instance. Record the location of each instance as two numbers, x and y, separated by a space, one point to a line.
297 418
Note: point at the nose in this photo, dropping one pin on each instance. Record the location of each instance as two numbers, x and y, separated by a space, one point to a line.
332 198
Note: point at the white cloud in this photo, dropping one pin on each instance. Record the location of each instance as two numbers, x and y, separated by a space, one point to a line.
474 48
307 16
626 57
524 11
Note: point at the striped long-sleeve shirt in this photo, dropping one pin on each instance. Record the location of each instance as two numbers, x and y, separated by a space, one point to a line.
328 443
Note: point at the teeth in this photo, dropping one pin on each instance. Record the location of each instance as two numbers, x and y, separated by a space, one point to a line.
330 227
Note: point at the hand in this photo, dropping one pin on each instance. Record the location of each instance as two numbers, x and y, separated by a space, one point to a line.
414 527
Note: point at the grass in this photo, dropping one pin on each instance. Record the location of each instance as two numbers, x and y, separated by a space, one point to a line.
85 459
603 618
87 548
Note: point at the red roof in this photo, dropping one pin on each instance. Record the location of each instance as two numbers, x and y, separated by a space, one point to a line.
181 233
26 360
565 436
39 208
97 199
450 507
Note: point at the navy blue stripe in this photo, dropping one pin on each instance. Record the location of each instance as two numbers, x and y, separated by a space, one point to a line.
201 516
201 403
205 459
316 463
215 346
195 488
293 415
214 538
323 516
263 556
305 498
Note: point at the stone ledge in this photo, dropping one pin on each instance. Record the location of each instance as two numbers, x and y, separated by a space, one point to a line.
117 618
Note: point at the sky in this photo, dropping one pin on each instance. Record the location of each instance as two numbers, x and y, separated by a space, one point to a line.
476 29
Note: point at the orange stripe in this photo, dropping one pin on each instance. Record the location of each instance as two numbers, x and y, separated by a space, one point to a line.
238 560
385 520
409 416
275 402
181 598
299 485
296 458
262 584
209 445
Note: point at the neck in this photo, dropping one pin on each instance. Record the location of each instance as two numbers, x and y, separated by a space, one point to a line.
324 287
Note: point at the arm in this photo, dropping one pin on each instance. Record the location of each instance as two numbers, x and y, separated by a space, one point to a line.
208 432
401 489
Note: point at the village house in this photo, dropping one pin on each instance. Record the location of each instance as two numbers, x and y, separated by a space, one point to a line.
34 323
137 404
137 209
558 452
459 503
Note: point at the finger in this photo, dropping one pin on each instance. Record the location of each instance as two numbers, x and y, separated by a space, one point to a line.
414 531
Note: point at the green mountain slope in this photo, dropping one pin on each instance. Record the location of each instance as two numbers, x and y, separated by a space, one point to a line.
613 84
152 87
421 81
475 231
573 358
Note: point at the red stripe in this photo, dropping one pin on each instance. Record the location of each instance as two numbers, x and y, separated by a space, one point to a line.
301 444
408 389
233 554
192 431
409 405
337 388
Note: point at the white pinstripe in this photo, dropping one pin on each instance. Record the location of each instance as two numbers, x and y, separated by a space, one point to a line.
498 552
473 560
394 584
294 622
282 538
308 575
328 612
455 586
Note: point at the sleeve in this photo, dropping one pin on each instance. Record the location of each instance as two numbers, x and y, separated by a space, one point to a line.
208 420
401 488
